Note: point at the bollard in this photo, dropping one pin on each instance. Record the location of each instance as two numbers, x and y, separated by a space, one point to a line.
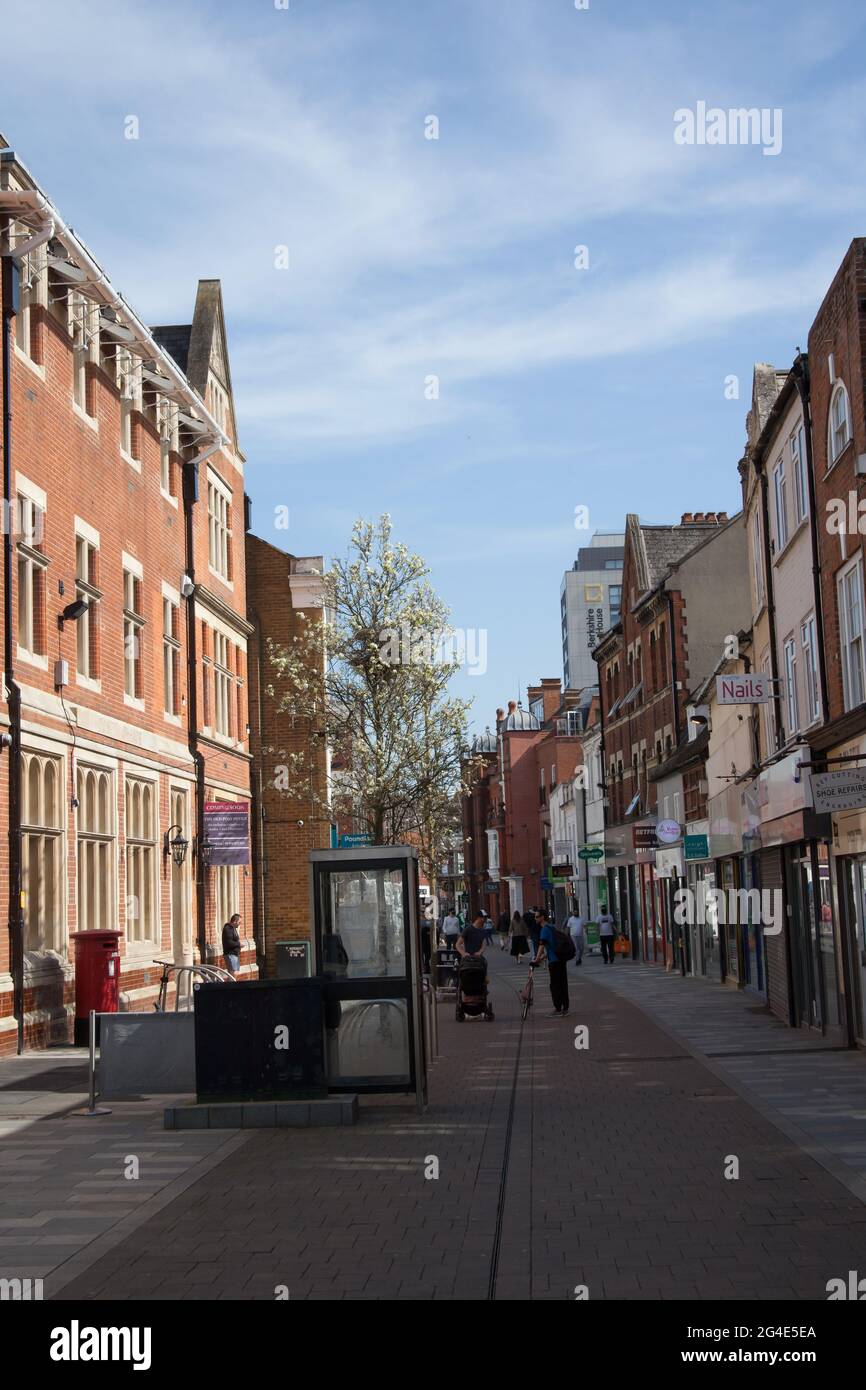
93 1108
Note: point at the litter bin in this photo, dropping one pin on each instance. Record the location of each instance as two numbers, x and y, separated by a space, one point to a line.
97 979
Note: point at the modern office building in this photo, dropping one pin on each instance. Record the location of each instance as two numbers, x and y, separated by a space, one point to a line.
589 604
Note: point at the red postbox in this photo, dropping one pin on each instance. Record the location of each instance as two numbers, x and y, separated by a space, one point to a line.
97 978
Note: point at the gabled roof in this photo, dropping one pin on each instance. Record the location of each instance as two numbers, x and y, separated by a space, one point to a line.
657 548
201 347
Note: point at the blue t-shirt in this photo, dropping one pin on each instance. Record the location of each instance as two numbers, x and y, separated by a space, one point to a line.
548 940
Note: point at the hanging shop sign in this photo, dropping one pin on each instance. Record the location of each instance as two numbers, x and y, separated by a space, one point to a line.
227 832
697 846
644 837
592 853
753 689
839 791
668 831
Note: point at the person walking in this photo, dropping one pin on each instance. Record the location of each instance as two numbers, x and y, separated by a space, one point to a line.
502 927
576 928
556 968
535 929
487 926
451 929
606 936
232 944
519 943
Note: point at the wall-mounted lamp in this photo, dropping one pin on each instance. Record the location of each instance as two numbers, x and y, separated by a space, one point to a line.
72 612
176 847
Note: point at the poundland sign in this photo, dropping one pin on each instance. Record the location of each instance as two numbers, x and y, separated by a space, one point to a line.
743 690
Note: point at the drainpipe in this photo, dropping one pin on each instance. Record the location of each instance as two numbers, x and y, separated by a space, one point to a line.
190 497
13 691
673 650
258 809
771 599
800 372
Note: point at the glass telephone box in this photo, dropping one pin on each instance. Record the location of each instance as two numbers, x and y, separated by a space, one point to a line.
368 953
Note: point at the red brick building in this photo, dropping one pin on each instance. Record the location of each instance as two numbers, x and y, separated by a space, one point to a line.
284 592
125 700
684 590
506 812
837 407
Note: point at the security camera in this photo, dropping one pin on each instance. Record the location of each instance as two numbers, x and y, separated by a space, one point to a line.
187 587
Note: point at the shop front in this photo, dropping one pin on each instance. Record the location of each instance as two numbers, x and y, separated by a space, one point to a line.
845 892
630 857
801 912
701 927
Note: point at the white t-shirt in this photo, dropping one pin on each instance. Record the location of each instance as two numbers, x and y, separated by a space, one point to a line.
606 925
451 925
575 925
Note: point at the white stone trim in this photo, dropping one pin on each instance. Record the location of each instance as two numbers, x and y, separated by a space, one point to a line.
207 616
129 562
31 491
86 531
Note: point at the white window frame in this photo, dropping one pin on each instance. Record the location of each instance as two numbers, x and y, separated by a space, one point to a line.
32 292
133 625
86 535
129 382
31 570
838 425
792 704
99 846
47 843
168 444
171 655
141 866
851 634
809 646
798 468
219 513
780 492
83 324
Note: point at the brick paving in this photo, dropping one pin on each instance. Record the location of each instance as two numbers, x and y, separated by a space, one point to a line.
615 1181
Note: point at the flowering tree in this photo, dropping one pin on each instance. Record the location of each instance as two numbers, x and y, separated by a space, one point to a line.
370 682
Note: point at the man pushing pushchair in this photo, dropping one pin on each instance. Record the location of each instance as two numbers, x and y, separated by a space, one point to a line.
472 997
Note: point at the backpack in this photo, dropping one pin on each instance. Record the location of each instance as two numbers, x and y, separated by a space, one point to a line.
563 945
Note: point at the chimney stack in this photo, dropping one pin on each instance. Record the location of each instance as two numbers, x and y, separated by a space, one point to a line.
699 518
686 519
711 518
723 518
512 706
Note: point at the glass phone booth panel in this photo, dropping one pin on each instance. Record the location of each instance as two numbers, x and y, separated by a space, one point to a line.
365 907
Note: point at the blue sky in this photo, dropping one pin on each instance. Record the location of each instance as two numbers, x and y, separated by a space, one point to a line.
305 127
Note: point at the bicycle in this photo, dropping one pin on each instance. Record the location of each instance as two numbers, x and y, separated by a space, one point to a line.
526 994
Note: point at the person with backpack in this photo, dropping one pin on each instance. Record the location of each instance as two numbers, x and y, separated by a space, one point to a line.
558 947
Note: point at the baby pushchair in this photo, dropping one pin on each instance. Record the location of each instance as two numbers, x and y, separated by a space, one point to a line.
472 1000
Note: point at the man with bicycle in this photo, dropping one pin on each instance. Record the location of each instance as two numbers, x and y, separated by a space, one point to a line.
547 947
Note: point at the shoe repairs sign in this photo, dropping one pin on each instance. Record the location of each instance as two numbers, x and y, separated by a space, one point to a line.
839 791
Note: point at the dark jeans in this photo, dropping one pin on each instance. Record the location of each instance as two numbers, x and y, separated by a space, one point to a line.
606 944
558 983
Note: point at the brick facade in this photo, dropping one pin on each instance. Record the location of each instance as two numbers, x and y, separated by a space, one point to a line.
109 757
282 594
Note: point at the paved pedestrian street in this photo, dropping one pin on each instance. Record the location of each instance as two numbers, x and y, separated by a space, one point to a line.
563 1171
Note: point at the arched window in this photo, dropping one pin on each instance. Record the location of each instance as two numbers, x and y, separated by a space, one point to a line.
839 423
96 834
142 922
42 853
